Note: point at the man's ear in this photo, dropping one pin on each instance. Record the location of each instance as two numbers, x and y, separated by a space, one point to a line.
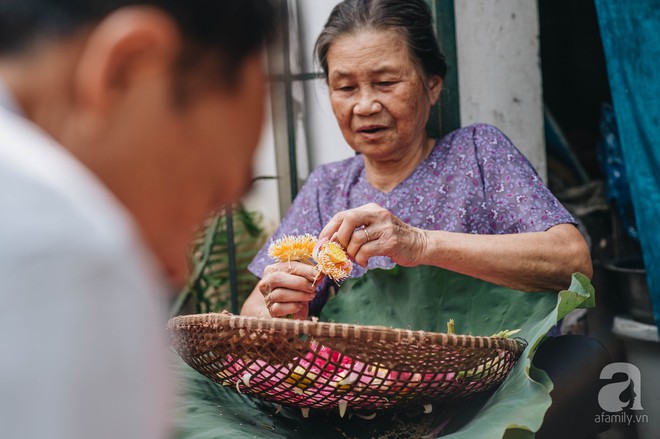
130 45
435 87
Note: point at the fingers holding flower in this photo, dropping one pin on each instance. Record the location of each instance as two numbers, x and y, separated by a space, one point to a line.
288 285
287 288
371 230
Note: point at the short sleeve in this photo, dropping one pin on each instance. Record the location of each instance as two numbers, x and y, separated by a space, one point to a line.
516 198
302 217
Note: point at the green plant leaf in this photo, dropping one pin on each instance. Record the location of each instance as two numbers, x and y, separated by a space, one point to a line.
208 283
479 308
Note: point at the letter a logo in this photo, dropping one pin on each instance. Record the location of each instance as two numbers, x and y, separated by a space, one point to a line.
609 396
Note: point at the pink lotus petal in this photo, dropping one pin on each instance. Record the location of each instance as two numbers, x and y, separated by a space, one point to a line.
317 247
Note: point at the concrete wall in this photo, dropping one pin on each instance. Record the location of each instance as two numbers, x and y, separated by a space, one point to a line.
263 196
326 143
499 71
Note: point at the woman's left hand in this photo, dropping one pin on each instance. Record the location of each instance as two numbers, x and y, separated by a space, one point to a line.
371 230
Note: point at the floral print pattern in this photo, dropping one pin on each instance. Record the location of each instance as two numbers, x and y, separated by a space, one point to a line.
474 181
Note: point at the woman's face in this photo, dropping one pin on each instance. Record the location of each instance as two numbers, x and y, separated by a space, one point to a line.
377 93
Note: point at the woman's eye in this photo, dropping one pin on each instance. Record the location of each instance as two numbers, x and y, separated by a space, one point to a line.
346 88
386 84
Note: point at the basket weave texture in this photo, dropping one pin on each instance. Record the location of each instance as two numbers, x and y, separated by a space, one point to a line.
326 365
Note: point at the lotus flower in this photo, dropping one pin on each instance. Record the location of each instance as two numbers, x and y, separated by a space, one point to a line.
292 248
330 257
332 260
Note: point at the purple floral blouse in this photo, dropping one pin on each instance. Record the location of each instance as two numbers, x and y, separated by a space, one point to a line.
474 181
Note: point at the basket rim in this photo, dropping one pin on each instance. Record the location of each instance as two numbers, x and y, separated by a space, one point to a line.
345 331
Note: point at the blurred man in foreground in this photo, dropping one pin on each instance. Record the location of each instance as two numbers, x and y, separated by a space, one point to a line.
122 124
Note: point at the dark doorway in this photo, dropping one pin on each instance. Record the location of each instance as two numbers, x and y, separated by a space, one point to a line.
574 75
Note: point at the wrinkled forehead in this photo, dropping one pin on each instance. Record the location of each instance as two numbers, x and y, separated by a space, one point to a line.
372 52
382 69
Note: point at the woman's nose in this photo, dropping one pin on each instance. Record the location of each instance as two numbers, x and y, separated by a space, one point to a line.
367 105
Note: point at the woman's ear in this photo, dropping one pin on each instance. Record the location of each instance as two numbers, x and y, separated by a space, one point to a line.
434 84
129 46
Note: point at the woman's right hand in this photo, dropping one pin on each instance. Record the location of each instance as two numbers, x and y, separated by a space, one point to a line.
288 287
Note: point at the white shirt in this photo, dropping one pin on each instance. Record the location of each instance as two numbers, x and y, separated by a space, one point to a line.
82 315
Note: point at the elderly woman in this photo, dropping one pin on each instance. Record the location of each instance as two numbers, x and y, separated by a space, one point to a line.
469 202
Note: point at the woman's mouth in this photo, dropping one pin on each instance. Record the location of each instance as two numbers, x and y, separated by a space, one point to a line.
371 129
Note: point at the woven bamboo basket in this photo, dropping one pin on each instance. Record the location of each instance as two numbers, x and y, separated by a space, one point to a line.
329 365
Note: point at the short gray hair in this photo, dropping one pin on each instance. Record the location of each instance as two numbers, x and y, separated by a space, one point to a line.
412 18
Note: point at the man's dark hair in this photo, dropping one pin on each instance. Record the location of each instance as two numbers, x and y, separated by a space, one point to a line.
230 30
412 18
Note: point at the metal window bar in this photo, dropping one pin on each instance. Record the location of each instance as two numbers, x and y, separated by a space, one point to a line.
443 120
288 96
231 259
447 111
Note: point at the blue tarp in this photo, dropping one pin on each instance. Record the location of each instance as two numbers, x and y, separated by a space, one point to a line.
630 32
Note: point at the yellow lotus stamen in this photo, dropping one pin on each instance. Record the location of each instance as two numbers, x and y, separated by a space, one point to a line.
332 260
316 278
335 253
330 257
292 248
